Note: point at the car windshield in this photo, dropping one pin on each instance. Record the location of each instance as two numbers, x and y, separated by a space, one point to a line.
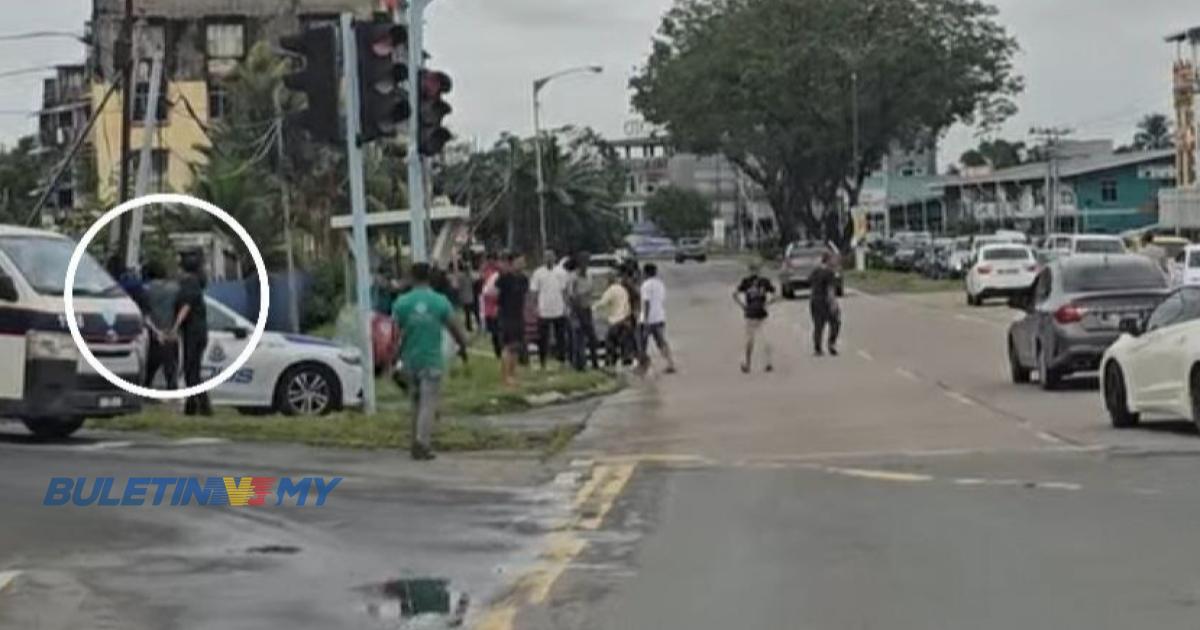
798 254
1007 253
1194 260
42 260
1113 277
1099 246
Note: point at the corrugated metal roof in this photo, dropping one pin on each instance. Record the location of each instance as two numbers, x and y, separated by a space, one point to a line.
1070 167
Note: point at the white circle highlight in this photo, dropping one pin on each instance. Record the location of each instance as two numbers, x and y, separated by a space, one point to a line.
264 301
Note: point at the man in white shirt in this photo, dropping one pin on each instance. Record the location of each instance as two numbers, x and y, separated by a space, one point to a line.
654 318
549 285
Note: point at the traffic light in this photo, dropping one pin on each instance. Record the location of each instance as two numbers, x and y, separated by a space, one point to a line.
317 79
382 73
434 137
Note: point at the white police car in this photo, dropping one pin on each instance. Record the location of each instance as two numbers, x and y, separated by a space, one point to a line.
289 374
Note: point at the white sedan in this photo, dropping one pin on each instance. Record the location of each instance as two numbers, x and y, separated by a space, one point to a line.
1000 270
289 374
1155 367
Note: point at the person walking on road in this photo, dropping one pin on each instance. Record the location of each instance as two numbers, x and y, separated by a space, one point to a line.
754 294
489 299
614 307
191 328
512 289
824 304
163 352
549 286
422 314
654 319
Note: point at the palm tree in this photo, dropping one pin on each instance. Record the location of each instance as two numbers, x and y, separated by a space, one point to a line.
1154 132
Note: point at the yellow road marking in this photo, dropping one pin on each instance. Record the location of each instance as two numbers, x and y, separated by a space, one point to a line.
608 493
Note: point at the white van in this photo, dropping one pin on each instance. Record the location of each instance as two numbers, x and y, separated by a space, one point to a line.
43 380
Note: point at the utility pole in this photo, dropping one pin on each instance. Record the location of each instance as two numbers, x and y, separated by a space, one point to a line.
133 238
1051 137
285 194
358 204
418 227
123 60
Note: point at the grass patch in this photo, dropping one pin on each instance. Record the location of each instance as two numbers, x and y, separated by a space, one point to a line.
347 430
884 281
472 390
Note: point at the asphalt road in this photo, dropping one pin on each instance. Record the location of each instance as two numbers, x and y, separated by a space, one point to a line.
906 484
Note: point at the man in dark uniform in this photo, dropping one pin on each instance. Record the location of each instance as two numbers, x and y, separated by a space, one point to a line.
191 328
824 305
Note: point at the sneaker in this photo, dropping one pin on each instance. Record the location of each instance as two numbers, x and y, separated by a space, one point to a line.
833 351
670 369
770 368
818 353
745 369
422 453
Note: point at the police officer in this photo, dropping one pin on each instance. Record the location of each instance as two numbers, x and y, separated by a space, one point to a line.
191 327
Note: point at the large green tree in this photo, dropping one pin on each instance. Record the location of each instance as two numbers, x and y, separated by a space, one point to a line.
998 153
1154 131
22 168
680 212
771 84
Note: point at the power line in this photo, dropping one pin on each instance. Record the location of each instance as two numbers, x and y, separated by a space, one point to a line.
44 34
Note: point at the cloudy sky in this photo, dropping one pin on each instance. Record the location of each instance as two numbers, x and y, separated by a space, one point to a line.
1093 65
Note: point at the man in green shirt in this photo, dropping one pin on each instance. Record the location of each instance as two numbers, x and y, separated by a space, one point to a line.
422 314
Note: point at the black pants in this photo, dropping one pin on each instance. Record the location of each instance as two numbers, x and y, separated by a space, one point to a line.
583 340
193 353
556 327
615 343
164 355
493 329
823 315
470 316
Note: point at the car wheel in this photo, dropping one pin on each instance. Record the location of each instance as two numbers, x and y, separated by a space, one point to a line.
1049 378
1020 373
1194 386
53 428
971 301
1117 400
702 259
307 390
679 260
789 293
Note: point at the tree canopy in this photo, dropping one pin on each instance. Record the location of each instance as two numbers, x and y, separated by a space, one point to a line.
680 212
771 84
998 153
1154 131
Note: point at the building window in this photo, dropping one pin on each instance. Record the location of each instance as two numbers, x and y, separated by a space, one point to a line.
159 163
141 95
226 40
1108 191
218 100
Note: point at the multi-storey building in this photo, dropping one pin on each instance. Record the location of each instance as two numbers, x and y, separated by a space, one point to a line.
66 106
201 43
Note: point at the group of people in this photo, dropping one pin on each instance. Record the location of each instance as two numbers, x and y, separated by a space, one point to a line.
755 293
176 316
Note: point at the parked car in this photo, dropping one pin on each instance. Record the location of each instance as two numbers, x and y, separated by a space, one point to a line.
649 247
1155 366
1071 244
1185 268
691 249
603 266
1073 313
1000 271
289 374
799 261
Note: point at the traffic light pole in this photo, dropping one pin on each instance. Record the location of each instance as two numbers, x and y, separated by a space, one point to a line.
358 207
418 228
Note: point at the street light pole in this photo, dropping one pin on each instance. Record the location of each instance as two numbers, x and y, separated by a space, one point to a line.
537 142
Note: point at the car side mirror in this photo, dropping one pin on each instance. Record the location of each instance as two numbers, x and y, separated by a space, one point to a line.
8 289
239 332
1132 326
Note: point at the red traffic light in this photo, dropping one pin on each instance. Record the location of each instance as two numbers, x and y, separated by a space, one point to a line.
434 84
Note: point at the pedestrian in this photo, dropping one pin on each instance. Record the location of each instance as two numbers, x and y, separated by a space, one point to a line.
823 304
549 286
654 319
489 307
512 290
460 279
191 328
614 307
422 314
754 294
581 296
163 350
630 346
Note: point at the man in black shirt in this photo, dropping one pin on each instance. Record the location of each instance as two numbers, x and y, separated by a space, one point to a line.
512 291
191 327
754 293
824 305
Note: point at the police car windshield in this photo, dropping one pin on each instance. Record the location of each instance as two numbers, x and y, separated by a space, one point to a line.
42 260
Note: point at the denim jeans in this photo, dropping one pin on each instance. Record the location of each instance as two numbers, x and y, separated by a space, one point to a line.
425 391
